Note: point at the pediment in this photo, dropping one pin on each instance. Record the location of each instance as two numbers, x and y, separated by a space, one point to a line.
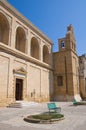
20 71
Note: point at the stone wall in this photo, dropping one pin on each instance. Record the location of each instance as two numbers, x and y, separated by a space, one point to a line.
25 53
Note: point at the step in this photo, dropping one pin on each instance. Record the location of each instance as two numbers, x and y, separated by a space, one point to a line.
21 104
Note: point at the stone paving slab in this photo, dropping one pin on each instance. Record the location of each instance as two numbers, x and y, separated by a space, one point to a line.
12 118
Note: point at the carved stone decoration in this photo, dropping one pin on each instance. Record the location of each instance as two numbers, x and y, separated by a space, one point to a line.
20 71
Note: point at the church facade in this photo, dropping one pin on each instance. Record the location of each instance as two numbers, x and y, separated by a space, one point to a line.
29 70
26 71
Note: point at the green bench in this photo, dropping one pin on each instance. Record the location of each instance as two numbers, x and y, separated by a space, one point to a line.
52 107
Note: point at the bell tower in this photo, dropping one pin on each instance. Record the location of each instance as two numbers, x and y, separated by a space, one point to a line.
66 77
68 42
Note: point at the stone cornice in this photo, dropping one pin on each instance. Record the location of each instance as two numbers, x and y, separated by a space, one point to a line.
23 56
24 20
67 50
20 71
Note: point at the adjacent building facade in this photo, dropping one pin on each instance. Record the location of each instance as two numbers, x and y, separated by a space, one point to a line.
82 75
29 70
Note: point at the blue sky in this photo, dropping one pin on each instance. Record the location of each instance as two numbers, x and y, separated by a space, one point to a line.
53 16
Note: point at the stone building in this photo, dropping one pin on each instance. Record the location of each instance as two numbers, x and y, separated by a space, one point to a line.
66 79
26 71
82 75
29 70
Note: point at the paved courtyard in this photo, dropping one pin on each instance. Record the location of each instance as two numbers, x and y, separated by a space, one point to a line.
12 118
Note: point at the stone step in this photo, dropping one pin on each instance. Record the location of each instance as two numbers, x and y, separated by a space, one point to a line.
21 104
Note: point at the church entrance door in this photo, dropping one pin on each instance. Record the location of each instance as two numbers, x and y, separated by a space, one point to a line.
19 89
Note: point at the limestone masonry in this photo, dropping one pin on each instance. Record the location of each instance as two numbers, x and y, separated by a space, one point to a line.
29 70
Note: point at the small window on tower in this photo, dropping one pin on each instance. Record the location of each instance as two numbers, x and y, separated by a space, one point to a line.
62 44
60 80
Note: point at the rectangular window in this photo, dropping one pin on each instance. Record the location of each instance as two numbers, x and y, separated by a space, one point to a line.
60 80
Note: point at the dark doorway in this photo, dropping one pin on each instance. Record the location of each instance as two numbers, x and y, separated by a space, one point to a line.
19 89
